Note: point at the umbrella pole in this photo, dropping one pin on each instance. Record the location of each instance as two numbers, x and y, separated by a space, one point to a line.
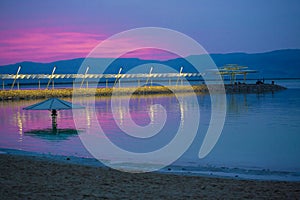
54 123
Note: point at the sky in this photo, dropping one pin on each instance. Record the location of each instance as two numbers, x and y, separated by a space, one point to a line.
50 30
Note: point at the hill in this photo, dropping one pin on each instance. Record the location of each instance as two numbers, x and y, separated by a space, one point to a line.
275 64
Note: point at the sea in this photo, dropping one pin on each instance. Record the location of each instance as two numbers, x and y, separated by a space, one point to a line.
260 138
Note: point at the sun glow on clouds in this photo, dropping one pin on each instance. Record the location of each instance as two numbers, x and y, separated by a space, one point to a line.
45 46
48 46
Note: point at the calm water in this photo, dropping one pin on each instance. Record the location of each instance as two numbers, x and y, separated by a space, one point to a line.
261 132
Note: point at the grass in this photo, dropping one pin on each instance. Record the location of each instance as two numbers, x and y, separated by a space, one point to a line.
68 92
146 90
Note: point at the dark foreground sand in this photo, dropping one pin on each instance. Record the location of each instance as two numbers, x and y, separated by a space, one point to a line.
25 177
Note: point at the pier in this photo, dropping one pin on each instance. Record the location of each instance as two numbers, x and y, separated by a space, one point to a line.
231 70
86 77
142 84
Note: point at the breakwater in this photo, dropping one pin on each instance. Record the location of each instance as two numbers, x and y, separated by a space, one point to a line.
146 90
252 88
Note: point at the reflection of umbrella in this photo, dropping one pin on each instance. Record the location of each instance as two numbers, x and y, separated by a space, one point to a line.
53 105
50 134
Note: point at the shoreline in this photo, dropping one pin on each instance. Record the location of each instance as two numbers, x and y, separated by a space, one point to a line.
140 91
182 170
25 177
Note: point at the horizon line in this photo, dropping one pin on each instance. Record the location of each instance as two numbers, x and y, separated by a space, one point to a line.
149 59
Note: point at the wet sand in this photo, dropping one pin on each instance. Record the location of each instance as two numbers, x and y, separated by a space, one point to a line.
27 177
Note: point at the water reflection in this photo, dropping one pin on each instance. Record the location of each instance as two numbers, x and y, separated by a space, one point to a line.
256 125
182 110
237 103
52 134
141 110
88 118
20 125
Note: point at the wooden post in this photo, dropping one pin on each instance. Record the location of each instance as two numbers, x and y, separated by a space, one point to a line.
18 84
13 84
54 122
86 71
117 77
3 84
179 76
232 78
149 76
51 77
106 85
39 84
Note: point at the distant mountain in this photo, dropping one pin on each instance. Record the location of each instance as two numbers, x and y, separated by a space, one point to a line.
275 64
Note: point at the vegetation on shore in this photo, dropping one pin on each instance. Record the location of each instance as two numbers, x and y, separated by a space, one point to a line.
68 92
146 90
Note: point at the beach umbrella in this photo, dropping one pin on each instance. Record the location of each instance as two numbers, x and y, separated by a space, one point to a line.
53 105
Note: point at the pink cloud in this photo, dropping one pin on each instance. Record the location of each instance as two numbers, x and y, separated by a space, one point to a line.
52 45
45 46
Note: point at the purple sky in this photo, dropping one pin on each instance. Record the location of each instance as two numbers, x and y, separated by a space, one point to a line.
50 30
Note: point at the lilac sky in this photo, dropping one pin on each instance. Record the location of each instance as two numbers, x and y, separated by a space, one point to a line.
50 30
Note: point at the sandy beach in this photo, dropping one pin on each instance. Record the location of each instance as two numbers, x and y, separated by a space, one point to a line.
28 177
